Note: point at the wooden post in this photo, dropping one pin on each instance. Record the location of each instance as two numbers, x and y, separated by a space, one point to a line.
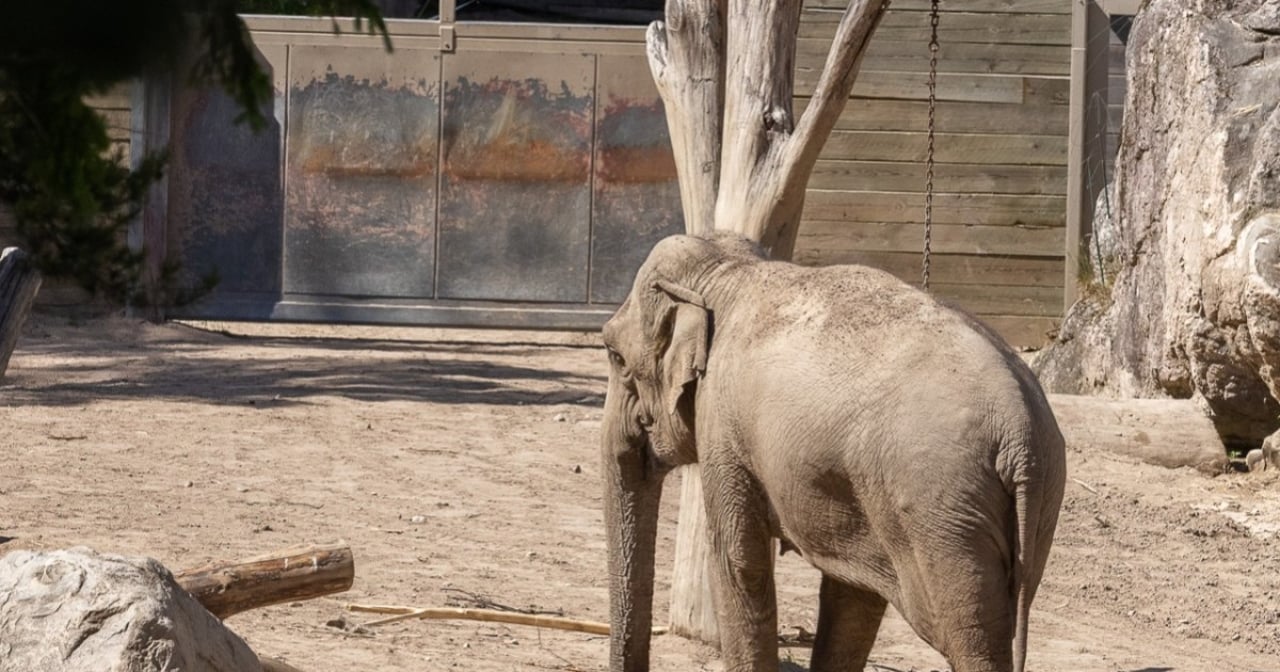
299 573
19 282
1086 147
725 70
149 133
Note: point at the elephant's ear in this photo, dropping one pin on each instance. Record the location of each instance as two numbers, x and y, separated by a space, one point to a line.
685 358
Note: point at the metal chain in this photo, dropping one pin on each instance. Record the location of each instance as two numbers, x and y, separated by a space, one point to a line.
933 108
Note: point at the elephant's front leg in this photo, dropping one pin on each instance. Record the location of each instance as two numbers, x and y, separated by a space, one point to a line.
741 546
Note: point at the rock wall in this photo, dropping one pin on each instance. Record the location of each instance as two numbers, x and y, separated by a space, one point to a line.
1192 308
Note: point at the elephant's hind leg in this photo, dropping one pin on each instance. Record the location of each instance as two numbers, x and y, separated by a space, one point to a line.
848 619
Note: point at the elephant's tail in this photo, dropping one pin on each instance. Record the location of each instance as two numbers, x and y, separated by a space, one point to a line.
1027 513
1037 494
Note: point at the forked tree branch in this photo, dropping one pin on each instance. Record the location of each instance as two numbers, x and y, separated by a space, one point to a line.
834 85
686 57
767 158
760 74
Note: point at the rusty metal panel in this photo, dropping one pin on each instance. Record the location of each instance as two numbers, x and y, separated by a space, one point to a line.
225 206
637 197
515 183
361 173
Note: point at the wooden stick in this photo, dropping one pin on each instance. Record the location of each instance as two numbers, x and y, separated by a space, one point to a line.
487 615
299 573
273 665
1084 485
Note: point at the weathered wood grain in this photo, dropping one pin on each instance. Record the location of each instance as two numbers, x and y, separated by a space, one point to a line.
962 87
1022 331
913 56
954 27
965 178
976 269
976 6
946 238
1044 150
988 209
869 114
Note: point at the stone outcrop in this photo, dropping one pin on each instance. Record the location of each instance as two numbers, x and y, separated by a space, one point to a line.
78 611
1192 303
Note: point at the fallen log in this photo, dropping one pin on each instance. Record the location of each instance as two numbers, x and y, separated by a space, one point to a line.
298 573
19 282
1164 432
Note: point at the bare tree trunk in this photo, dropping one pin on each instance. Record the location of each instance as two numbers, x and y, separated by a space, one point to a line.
726 75
19 282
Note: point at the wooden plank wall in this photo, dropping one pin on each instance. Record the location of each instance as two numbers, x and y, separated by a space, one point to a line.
114 107
1001 148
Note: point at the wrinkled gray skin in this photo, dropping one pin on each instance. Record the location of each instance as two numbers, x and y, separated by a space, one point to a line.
895 443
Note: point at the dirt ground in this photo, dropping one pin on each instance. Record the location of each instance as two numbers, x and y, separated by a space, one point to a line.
466 461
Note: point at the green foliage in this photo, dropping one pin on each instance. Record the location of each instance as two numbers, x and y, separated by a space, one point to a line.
1095 275
72 200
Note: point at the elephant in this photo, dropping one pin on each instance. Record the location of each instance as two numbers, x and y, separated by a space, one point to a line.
895 442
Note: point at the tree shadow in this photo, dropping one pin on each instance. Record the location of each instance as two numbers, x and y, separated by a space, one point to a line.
214 372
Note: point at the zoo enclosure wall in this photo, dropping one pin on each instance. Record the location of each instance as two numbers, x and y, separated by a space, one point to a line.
310 243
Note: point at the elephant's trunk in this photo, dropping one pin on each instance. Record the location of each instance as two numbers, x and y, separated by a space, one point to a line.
632 490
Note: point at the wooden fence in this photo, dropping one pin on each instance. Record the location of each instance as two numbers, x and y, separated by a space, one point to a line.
999 231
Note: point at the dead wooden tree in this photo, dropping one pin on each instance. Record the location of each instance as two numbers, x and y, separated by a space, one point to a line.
725 70
19 282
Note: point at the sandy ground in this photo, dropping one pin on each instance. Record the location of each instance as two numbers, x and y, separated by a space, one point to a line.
188 445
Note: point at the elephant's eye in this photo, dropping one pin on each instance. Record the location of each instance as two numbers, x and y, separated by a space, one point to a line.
617 359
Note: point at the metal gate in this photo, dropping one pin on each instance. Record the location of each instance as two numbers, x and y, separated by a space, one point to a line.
481 174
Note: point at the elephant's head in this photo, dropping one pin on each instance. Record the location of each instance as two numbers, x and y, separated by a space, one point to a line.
658 343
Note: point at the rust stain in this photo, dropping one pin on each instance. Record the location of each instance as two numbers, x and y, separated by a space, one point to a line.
516 131
636 165
328 160
633 145
510 159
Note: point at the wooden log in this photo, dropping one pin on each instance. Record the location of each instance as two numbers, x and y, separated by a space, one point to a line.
19 282
1164 432
299 573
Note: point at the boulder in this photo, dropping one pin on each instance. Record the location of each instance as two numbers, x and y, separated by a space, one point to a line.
1191 307
79 611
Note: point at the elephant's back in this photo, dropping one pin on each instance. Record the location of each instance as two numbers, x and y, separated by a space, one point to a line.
882 344
867 314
